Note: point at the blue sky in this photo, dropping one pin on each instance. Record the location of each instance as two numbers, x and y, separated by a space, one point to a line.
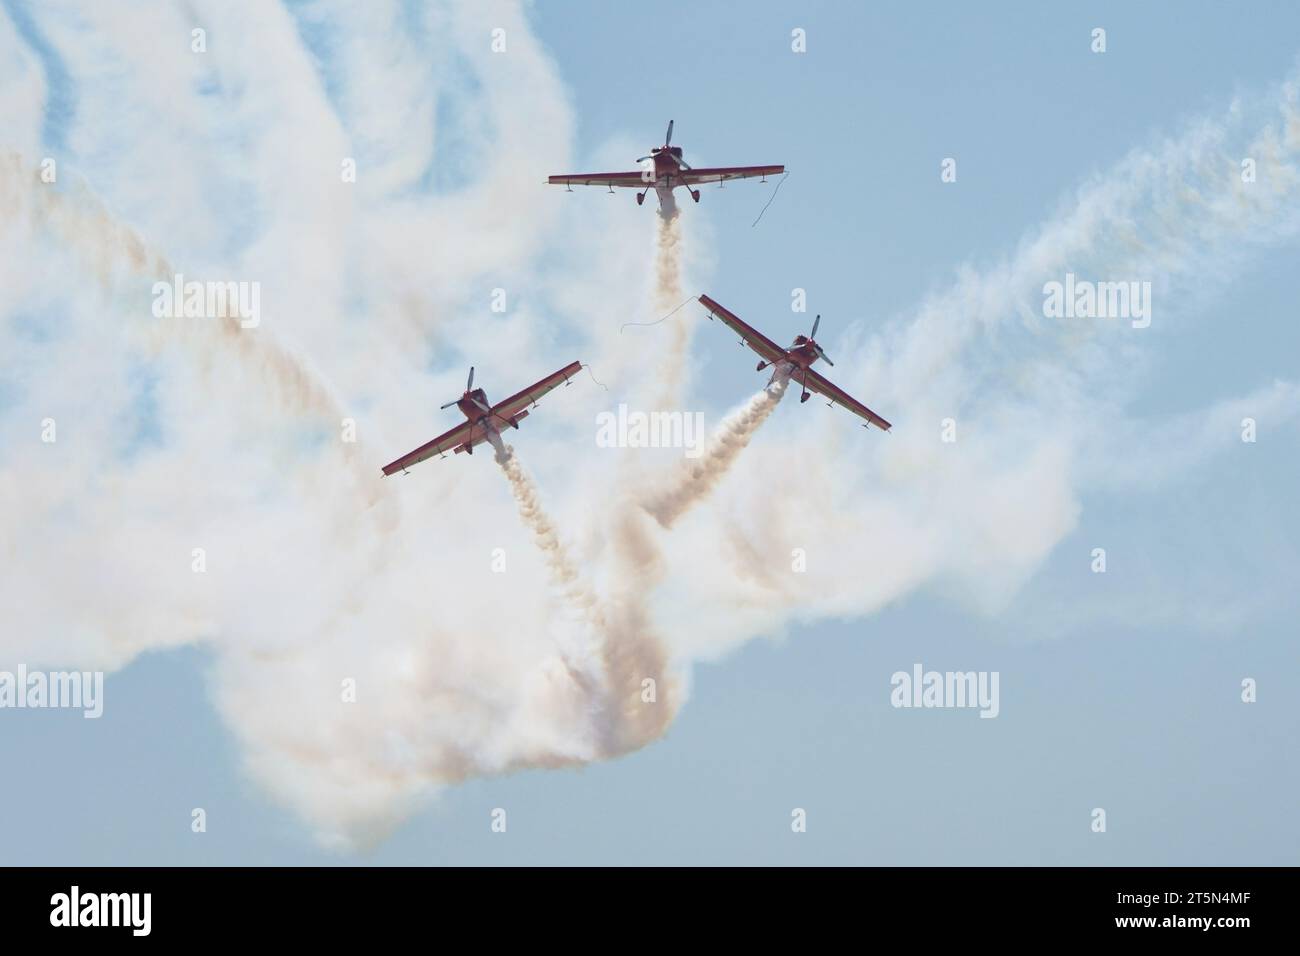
1119 691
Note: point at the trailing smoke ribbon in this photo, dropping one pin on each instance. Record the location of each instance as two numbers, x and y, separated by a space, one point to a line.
660 319
769 201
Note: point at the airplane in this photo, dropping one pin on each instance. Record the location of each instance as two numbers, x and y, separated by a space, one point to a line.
796 362
668 172
483 422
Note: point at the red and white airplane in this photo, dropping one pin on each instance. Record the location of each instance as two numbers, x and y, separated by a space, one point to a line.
483 421
796 362
668 171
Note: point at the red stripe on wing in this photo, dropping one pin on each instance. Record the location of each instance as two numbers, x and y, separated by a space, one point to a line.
533 392
719 174
823 386
755 339
447 440
633 180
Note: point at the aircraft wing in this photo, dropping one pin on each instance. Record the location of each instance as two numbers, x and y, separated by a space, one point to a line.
718 174
438 446
755 339
634 179
822 386
510 408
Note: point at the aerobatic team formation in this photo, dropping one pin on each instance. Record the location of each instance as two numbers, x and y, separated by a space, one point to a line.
663 170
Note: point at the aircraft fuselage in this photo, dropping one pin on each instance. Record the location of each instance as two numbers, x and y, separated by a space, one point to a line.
798 358
667 175
801 352
473 404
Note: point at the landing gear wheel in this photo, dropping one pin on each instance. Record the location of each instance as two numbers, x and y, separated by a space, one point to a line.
640 198
695 194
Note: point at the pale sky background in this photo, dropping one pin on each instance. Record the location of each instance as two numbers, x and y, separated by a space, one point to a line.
1119 691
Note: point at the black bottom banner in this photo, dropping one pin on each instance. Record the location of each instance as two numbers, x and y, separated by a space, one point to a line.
341 904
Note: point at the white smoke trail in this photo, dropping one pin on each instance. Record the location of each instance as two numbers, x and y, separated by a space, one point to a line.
671 362
117 254
668 206
703 474
668 265
529 503
580 656
627 713
644 690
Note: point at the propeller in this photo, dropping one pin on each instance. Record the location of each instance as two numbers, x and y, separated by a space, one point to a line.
468 385
668 139
817 348
680 162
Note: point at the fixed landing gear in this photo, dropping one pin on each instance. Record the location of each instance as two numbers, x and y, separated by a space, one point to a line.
761 366
695 194
640 197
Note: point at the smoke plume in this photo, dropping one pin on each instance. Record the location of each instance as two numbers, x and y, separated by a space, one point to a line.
703 474
626 711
